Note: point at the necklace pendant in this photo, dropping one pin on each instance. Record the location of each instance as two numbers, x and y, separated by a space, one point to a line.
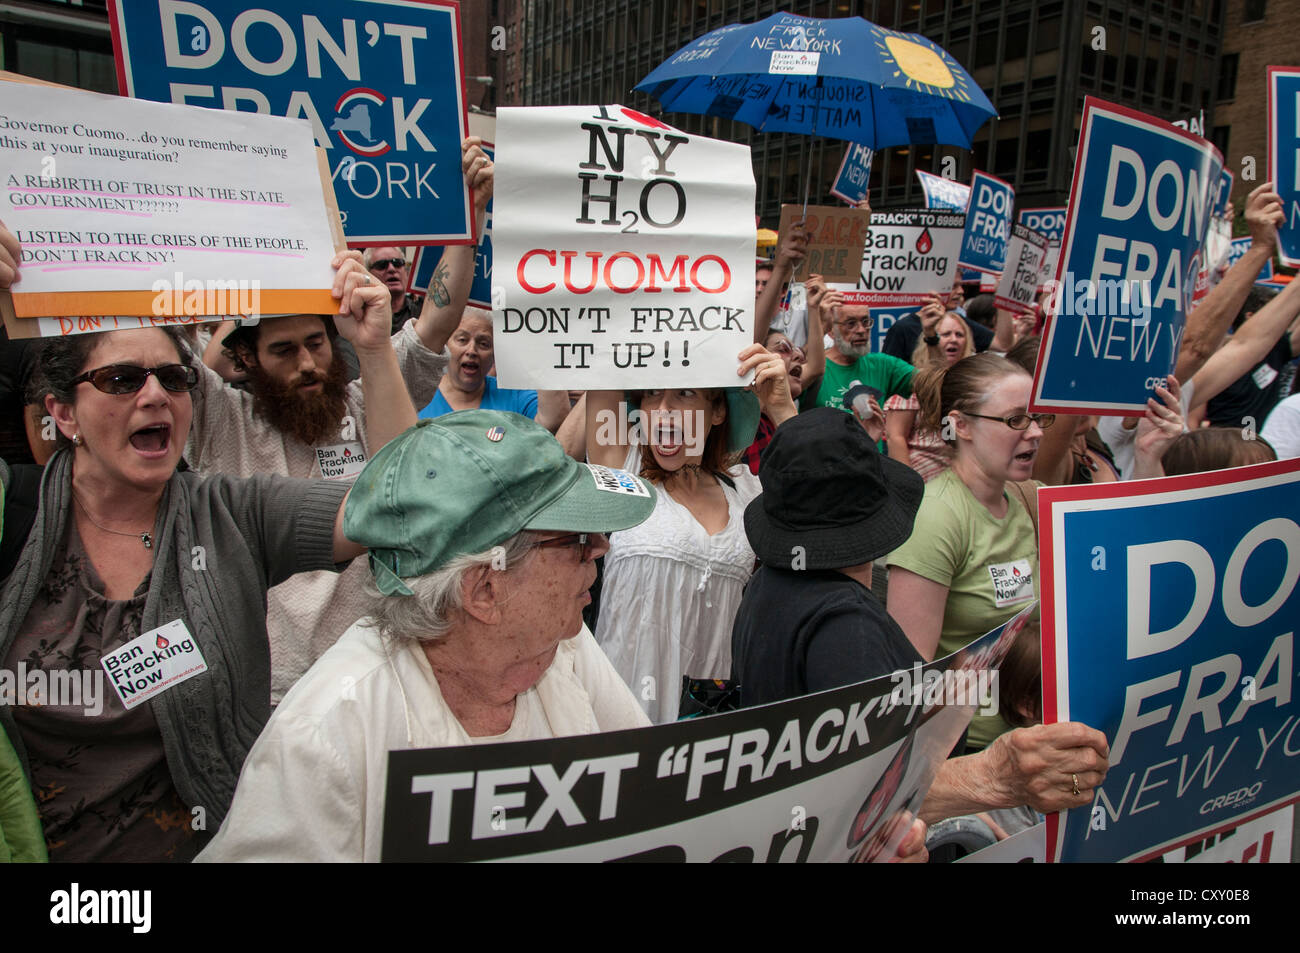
147 539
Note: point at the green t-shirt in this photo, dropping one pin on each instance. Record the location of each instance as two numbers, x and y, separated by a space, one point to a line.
884 372
989 565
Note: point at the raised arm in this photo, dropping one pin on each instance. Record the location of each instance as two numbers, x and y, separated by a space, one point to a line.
789 254
552 408
1208 323
1004 332
365 319
1248 346
449 287
814 349
214 355
606 445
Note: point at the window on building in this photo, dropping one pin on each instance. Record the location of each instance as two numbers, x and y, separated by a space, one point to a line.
1253 10
1049 35
1219 136
1227 88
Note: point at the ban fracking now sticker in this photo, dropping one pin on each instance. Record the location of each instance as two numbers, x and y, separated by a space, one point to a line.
147 666
343 461
616 481
1013 582
794 62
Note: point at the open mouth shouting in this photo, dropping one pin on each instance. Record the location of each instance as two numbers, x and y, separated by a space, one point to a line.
153 441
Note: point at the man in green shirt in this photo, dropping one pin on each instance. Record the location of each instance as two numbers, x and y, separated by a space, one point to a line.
850 362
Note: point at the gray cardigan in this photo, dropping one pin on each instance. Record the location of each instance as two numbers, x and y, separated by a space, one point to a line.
255 533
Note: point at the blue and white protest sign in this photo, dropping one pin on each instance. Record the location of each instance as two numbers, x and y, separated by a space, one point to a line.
1284 155
988 224
852 181
426 259
1168 624
944 193
380 81
1140 206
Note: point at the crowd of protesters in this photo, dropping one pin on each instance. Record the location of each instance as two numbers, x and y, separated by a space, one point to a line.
834 520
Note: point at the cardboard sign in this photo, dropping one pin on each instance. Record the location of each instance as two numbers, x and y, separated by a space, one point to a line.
1017 289
838 237
1139 210
146 209
1169 610
834 776
626 252
380 81
426 260
988 225
910 255
1283 147
854 177
944 193
1049 221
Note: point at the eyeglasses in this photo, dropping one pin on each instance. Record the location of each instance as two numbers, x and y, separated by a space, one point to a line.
1020 421
129 378
381 264
586 543
852 324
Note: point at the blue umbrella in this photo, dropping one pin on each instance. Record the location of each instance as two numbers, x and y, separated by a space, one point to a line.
843 77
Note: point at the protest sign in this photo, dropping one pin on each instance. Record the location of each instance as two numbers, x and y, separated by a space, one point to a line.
1265 840
834 776
380 81
1017 289
853 180
1139 209
910 255
883 318
944 193
1026 847
1049 221
132 208
1283 149
1168 610
426 260
988 224
1267 279
836 239
626 252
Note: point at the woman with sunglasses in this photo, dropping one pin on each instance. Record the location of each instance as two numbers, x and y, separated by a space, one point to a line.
972 560
139 583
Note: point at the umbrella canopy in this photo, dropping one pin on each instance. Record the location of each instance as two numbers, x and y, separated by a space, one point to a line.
843 77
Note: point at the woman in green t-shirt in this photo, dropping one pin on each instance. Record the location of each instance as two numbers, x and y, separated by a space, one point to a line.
972 560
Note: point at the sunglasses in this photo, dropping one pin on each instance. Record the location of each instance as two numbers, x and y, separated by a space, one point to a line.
381 264
130 378
1021 421
586 543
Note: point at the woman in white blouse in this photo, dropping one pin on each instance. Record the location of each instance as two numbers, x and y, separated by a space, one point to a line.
672 584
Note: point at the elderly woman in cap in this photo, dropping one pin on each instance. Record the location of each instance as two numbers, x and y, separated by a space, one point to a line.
672 585
483 538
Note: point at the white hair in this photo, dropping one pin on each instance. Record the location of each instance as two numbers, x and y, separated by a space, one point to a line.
437 601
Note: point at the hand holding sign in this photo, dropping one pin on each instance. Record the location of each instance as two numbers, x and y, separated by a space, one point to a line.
365 306
10 253
771 383
1264 215
932 314
792 250
1039 764
479 173
1157 430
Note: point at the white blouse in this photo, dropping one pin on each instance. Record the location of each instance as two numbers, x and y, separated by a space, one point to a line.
670 595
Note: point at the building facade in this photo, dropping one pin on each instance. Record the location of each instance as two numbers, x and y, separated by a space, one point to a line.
1035 60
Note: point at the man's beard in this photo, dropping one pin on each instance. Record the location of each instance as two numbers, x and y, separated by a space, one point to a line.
849 350
308 418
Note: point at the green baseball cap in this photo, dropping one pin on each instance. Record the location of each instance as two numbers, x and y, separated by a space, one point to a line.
466 482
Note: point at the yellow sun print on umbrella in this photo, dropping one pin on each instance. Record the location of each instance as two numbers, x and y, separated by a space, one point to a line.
925 67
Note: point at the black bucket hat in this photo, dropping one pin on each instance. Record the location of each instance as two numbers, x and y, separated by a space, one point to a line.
830 499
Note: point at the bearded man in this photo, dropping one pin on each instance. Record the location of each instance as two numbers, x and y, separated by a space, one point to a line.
300 418
850 363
